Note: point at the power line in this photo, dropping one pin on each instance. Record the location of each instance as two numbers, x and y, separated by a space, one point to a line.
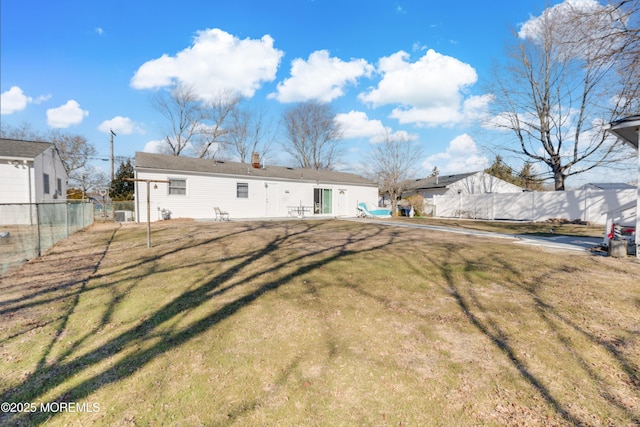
120 159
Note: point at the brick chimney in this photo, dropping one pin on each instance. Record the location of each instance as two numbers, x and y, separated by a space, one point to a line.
255 160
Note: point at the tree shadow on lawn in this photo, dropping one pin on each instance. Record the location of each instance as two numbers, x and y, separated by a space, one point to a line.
488 323
460 272
68 274
557 321
142 343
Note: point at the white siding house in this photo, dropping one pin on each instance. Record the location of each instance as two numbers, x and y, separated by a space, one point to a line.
31 172
196 186
628 130
466 183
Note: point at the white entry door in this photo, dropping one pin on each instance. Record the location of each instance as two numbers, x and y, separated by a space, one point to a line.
272 206
342 202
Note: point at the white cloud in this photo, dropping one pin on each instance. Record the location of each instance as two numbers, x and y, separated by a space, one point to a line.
562 14
41 99
418 47
320 78
461 156
399 135
430 91
158 146
99 31
120 125
66 115
216 61
476 108
13 100
501 122
356 124
574 22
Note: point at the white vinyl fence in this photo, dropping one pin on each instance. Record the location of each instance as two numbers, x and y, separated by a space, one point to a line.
586 205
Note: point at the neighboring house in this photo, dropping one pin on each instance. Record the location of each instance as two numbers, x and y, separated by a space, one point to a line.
628 130
31 172
244 190
465 183
608 186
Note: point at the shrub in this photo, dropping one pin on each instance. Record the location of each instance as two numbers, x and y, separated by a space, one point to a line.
417 202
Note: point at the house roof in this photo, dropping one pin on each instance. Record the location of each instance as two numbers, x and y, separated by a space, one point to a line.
440 181
626 129
17 149
610 185
189 164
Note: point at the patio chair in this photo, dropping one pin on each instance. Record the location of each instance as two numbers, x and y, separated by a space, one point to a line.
221 215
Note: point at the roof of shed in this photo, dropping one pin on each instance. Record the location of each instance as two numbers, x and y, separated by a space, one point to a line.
190 164
626 129
610 185
14 148
440 181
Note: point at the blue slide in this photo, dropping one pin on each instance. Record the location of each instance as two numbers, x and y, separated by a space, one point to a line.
374 213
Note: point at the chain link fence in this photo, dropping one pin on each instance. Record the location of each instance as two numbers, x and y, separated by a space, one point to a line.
114 210
29 230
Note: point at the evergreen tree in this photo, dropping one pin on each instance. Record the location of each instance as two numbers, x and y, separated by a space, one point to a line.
121 189
528 179
501 170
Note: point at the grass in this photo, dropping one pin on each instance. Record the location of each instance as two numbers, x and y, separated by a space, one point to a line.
318 323
513 227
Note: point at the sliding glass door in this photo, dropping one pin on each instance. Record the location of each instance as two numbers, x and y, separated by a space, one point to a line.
322 200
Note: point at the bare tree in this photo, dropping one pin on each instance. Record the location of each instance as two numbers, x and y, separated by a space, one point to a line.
555 94
24 132
214 131
91 179
393 161
312 135
183 111
615 29
250 134
195 126
75 152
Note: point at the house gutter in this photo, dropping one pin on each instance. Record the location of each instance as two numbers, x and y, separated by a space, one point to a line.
250 176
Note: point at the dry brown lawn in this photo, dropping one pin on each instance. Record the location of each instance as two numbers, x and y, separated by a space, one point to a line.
316 323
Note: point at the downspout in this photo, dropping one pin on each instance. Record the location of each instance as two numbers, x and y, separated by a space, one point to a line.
638 201
136 195
30 193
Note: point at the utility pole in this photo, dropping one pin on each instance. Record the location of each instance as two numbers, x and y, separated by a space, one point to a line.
112 135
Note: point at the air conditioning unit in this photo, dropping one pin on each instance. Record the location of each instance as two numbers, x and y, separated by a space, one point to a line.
123 216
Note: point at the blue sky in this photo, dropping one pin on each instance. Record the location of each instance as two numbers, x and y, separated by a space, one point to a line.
419 67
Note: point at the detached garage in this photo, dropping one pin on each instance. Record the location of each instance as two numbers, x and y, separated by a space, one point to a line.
184 187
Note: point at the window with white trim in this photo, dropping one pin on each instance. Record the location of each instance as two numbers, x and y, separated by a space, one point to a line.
177 187
45 183
242 190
